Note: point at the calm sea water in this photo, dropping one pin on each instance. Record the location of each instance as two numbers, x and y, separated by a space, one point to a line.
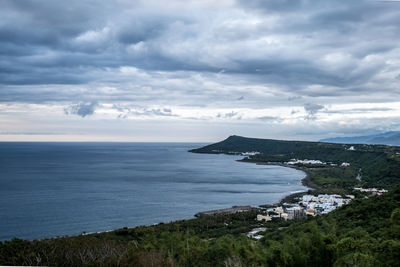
53 189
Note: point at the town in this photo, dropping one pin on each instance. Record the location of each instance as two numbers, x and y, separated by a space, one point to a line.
308 205
313 162
313 205
305 205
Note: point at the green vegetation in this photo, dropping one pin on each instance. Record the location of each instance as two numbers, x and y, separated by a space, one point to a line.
379 165
364 233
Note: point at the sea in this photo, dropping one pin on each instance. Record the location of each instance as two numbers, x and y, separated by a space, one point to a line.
58 189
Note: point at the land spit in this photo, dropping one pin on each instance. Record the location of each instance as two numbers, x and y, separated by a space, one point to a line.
232 210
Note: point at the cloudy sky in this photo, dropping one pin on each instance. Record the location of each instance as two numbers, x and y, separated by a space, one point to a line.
198 70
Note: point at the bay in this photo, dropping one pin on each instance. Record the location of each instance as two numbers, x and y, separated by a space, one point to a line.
56 189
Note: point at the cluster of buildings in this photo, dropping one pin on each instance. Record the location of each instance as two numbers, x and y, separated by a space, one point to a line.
304 161
322 204
371 191
313 205
285 212
313 161
307 205
249 153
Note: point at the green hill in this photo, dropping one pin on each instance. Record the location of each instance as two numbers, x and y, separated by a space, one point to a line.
378 165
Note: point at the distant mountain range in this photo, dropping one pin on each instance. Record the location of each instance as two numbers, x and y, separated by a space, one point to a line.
387 138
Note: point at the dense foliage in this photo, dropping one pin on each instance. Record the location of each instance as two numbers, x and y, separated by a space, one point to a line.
363 233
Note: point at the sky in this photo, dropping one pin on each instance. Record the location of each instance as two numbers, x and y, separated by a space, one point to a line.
198 71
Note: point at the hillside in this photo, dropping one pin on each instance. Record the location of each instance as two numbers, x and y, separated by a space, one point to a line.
364 233
387 138
378 165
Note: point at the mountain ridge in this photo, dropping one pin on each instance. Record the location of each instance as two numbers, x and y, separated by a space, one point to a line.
387 138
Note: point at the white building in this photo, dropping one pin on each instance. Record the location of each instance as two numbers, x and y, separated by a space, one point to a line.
261 217
304 161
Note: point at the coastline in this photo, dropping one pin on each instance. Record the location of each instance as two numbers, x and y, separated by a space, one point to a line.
306 181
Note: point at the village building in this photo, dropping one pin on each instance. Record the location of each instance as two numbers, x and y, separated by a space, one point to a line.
261 217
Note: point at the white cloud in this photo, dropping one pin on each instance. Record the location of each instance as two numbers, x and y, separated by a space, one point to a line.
94 36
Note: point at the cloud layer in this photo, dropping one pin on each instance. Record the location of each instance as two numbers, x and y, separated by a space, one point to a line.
242 62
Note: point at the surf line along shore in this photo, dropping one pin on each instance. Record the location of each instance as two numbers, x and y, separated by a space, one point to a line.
306 181
234 209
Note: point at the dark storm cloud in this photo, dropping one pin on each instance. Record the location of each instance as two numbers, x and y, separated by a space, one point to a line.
294 45
81 109
312 109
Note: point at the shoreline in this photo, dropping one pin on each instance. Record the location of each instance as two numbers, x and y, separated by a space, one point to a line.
305 182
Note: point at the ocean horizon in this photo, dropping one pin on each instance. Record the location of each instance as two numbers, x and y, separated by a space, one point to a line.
50 189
